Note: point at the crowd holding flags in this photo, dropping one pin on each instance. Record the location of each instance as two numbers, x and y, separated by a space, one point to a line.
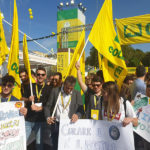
102 36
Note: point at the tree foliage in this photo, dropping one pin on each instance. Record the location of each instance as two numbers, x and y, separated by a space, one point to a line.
133 57
92 60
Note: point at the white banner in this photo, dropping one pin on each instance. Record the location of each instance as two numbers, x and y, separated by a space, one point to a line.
95 135
12 134
142 110
12 126
10 109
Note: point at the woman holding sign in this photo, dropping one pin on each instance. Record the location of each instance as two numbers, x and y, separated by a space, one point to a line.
114 107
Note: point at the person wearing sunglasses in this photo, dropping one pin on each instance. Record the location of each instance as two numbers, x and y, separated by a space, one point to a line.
93 98
57 79
35 120
6 95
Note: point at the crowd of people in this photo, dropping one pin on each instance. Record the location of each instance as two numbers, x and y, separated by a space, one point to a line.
52 99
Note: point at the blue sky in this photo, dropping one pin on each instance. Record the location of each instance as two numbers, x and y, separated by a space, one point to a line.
45 17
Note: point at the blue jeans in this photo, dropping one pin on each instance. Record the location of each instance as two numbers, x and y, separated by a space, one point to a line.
35 128
54 135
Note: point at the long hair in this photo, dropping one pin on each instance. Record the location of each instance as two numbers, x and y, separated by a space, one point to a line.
112 104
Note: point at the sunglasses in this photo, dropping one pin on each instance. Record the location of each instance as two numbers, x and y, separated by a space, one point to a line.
55 79
98 85
41 75
8 85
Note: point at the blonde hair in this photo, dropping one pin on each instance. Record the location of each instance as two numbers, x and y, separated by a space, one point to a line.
112 104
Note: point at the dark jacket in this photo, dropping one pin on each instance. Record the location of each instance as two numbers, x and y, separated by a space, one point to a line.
76 106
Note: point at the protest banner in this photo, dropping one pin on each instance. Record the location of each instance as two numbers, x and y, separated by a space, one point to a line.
142 110
10 110
94 135
12 134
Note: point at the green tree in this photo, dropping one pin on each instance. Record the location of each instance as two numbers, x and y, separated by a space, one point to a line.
92 60
132 56
146 59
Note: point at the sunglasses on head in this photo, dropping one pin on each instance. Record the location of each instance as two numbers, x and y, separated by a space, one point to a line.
8 85
40 74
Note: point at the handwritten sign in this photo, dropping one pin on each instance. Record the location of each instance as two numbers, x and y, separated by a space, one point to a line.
12 134
94 135
12 126
142 109
10 110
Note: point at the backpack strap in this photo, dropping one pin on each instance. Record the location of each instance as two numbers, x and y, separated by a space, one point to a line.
125 106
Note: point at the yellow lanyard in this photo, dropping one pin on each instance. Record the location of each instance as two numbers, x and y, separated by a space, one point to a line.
108 117
7 100
38 94
64 107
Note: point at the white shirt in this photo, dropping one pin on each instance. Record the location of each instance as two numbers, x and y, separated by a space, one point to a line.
60 111
121 114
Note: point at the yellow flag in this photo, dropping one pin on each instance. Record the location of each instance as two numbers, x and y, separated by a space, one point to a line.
112 72
104 39
26 58
3 45
134 30
13 61
103 36
71 69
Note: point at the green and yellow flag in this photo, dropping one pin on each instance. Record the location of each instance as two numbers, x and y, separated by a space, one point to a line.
13 61
3 45
133 30
26 58
104 39
71 69
112 72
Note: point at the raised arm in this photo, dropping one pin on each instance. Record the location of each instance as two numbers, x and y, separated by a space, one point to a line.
79 76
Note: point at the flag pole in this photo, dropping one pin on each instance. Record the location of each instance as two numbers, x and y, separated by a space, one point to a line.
31 89
83 49
56 105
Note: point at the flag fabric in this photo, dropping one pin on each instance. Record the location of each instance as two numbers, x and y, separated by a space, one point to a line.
13 61
133 30
26 58
104 39
71 69
3 45
112 72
